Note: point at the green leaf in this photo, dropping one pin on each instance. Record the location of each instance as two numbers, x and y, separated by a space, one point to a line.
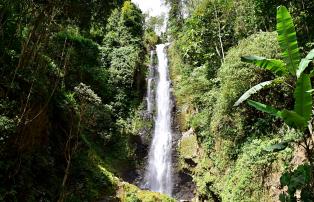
287 39
310 55
293 119
283 197
299 178
305 63
303 97
278 67
311 74
302 66
285 179
265 108
252 91
277 147
310 91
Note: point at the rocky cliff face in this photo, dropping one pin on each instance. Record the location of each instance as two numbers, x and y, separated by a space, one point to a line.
184 187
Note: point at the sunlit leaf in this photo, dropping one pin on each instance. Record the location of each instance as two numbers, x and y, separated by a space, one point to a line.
278 67
252 91
287 39
305 63
303 98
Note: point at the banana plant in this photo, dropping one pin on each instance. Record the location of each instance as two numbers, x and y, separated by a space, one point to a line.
291 65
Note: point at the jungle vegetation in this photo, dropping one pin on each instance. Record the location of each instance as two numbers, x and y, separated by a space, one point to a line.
72 88
72 77
223 53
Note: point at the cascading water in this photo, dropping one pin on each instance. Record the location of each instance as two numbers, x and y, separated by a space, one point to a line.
149 96
159 173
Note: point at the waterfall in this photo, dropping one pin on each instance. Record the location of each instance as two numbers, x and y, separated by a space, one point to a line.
149 96
158 174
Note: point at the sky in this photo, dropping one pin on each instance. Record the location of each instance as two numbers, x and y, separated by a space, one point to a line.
154 7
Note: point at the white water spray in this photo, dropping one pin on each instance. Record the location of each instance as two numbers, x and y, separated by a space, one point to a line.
149 96
159 173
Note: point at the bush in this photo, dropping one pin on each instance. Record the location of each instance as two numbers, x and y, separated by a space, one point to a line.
245 181
235 77
151 39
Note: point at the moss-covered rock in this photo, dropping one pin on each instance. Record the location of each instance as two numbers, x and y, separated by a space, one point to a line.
188 150
130 193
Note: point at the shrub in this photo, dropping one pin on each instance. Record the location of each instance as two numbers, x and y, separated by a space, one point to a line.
235 77
245 181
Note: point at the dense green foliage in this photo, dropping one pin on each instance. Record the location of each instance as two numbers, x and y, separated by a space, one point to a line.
300 116
72 79
242 151
72 82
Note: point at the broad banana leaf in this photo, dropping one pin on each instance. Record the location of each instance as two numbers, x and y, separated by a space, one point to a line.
265 108
310 55
278 67
287 39
252 91
303 97
293 119
305 62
